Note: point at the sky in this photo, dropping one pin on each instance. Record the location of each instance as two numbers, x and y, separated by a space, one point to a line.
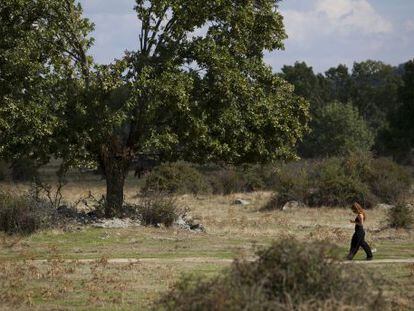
323 33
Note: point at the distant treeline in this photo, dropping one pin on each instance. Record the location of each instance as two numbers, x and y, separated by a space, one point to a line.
370 106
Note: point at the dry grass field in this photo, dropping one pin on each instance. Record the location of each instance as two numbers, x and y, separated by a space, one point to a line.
65 283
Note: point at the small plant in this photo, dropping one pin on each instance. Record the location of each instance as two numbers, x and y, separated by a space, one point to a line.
289 275
158 209
401 216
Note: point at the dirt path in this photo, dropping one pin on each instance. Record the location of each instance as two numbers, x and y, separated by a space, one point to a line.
204 260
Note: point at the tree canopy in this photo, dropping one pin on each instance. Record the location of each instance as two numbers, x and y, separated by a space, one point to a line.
196 88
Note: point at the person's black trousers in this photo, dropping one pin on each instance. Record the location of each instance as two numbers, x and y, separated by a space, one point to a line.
358 240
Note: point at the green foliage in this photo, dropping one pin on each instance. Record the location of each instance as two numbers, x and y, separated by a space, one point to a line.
337 130
199 98
400 135
22 214
293 184
158 209
289 275
335 186
179 177
341 181
388 181
401 216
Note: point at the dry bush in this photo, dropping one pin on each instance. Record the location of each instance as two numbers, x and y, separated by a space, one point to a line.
159 208
23 214
289 275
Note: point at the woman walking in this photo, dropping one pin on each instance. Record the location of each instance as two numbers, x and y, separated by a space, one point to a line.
358 239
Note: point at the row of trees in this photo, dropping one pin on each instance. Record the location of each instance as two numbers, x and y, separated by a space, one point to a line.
369 107
179 95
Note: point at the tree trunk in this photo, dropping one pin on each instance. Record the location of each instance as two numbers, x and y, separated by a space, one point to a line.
116 160
115 180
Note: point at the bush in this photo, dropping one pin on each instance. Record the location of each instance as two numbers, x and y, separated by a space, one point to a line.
334 186
292 185
341 181
388 180
401 216
159 209
227 181
179 177
22 214
287 276
23 170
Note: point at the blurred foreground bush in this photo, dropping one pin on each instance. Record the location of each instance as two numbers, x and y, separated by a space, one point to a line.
289 275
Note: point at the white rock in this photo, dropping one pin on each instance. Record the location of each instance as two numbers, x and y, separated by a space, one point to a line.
241 202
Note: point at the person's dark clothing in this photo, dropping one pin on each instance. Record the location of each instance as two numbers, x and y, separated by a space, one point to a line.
358 240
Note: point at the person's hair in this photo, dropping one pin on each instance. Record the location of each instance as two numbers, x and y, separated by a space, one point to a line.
356 208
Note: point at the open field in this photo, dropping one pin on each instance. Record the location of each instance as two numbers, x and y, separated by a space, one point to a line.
231 231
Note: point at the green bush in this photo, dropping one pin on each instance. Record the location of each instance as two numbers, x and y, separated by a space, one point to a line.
159 209
292 185
401 216
179 177
22 214
341 181
334 186
289 275
388 180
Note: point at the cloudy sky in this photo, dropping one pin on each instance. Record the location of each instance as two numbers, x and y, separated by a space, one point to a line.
323 33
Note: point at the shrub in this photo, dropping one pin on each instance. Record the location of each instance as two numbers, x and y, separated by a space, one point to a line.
286 276
292 185
179 177
401 216
22 214
341 181
23 170
334 186
227 181
388 180
159 209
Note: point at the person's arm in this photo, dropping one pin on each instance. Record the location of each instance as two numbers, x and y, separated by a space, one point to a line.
361 219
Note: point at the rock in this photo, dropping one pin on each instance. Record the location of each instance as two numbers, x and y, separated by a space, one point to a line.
189 224
384 206
116 223
291 205
241 202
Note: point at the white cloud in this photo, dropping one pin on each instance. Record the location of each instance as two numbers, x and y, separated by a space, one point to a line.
339 17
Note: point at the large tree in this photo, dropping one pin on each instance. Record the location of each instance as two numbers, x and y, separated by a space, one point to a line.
196 88
400 136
